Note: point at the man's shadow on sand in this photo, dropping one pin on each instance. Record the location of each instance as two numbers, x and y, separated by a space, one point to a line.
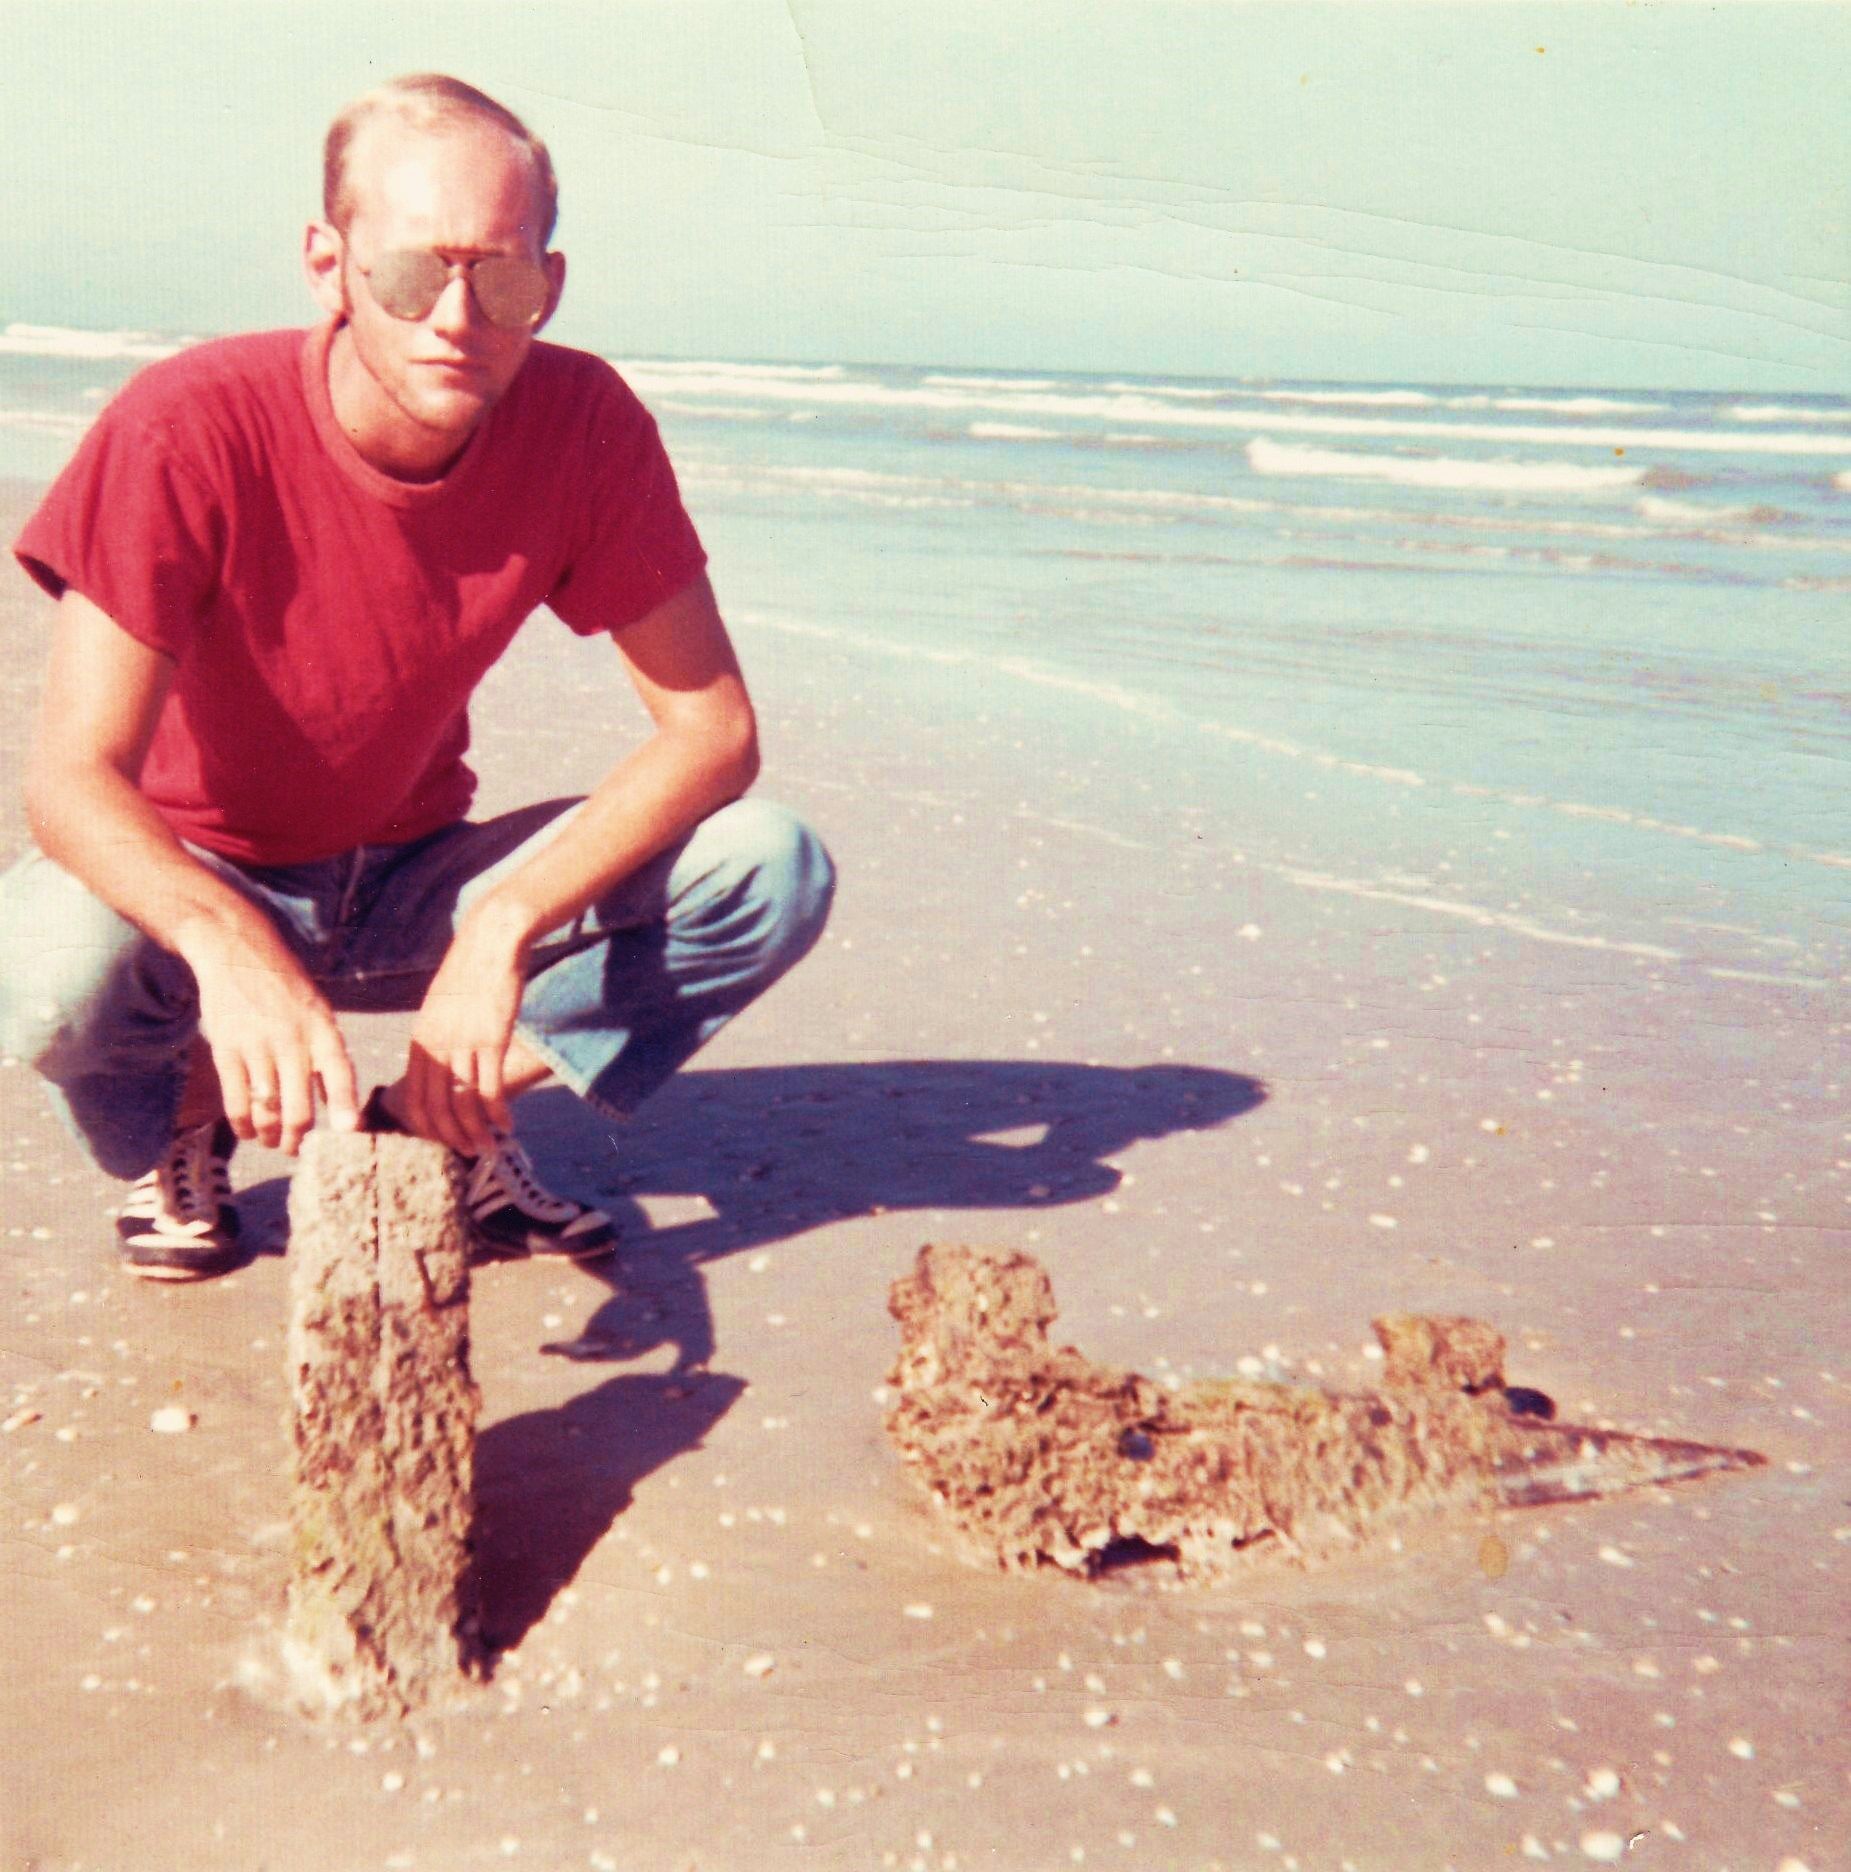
757 1155
760 1154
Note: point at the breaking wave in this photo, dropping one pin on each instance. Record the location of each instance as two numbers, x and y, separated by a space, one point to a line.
1279 458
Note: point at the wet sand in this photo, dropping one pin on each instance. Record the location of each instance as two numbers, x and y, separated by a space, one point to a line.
1235 1117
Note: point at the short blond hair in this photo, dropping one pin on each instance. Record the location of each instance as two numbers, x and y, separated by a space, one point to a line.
427 101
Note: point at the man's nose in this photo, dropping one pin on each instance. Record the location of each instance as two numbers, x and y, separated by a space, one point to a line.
456 311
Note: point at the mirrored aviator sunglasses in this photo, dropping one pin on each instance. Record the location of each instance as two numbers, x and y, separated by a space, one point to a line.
511 292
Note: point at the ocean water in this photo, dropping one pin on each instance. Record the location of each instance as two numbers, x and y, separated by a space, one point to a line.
1610 632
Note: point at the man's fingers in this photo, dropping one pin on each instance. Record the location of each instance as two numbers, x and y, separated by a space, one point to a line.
340 1090
472 1121
459 1098
272 1039
295 1101
429 1099
418 1079
266 1106
488 1064
234 1092
470 1076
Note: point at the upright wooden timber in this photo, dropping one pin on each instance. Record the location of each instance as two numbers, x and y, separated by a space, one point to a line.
382 1614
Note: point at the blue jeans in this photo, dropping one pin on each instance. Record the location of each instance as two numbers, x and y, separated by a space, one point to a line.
614 1002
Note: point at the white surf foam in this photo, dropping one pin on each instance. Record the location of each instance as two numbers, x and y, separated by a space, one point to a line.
1783 412
710 412
750 373
946 380
1107 505
1842 481
1480 914
1736 526
1691 513
1143 409
1568 405
944 490
863 486
1188 392
1280 458
1374 399
1474 400
62 341
47 422
1013 432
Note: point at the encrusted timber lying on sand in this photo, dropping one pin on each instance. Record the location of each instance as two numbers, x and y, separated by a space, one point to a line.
382 1611
1039 1455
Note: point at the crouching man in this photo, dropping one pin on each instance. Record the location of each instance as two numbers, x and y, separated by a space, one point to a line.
283 562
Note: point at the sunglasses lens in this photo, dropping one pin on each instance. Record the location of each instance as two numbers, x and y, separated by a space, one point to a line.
407 283
511 292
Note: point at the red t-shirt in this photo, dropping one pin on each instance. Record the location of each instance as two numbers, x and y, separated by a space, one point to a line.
329 623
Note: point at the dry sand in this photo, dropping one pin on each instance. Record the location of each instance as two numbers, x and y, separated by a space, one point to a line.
1235 1119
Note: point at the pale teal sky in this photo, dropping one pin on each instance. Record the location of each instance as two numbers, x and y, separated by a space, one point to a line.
1594 193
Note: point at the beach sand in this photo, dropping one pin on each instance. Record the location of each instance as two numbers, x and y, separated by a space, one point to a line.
1236 1116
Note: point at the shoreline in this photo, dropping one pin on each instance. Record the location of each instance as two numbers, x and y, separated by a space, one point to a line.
1060 1007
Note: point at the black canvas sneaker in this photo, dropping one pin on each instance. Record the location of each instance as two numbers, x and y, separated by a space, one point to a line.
512 1215
178 1223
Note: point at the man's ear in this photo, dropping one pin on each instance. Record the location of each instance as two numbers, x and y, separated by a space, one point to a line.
322 253
555 264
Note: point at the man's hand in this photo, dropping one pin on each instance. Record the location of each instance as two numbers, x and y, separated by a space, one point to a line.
273 1038
454 1079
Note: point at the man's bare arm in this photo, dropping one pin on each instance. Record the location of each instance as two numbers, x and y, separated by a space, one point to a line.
703 753
271 1034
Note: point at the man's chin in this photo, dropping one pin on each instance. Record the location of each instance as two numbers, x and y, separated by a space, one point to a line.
450 408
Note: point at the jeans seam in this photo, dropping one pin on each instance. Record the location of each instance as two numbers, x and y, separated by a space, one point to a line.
569 1075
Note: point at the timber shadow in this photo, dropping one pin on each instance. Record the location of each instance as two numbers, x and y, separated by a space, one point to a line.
550 1483
732 1159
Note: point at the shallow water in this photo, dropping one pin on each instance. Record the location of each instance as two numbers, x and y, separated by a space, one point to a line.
1606 634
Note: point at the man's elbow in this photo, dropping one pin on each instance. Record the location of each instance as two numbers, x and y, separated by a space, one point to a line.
47 794
63 790
721 745
717 739
740 751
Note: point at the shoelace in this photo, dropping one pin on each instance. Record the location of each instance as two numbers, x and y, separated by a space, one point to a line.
187 1186
506 1174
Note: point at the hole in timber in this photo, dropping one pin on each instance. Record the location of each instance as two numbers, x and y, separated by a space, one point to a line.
1129 1551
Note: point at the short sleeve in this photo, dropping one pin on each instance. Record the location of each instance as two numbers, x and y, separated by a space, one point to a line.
636 547
132 529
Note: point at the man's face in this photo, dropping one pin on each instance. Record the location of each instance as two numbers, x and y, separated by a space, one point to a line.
462 192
